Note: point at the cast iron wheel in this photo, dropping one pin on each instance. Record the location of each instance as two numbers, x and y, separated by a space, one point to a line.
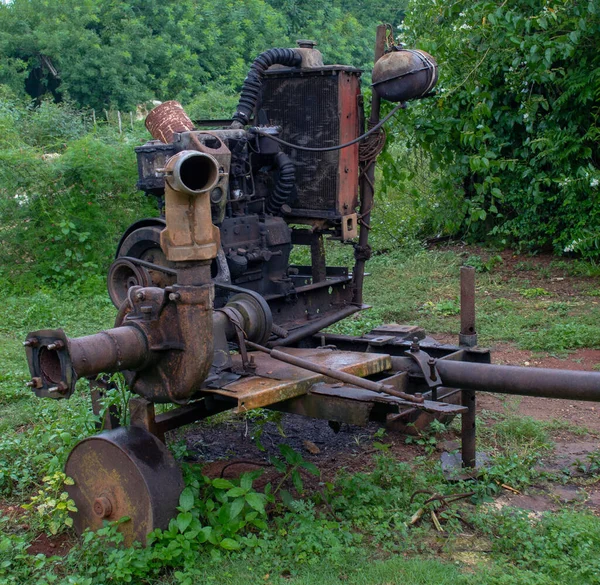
124 472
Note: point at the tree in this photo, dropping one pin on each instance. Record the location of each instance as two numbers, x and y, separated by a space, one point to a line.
515 123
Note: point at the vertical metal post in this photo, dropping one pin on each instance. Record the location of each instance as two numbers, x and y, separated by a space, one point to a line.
468 334
468 429
142 414
317 256
367 190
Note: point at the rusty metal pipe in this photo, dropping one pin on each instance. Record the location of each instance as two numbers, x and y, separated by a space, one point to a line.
335 374
316 326
542 382
113 350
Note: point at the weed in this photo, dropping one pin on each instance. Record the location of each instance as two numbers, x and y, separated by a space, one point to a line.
484 266
52 504
291 466
428 437
532 293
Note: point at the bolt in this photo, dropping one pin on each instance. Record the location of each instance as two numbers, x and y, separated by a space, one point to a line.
31 342
34 383
251 365
140 296
174 296
102 507
58 344
414 346
432 374
60 388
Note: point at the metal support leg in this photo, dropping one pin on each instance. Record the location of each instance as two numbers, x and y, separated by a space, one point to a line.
468 429
142 414
468 334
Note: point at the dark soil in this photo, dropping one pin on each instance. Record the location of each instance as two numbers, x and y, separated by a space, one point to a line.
50 546
230 448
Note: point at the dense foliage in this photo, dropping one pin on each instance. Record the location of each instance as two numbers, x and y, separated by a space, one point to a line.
514 127
67 192
103 53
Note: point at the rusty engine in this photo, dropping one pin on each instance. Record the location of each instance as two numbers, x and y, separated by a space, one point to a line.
213 314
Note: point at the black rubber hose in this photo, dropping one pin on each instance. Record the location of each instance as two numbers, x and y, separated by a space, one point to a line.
253 81
285 183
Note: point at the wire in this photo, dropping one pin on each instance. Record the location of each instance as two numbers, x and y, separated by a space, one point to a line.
339 146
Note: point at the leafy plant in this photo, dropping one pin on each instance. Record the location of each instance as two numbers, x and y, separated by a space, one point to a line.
427 438
290 466
52 504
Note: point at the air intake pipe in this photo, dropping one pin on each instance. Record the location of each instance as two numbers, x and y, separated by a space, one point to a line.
253 81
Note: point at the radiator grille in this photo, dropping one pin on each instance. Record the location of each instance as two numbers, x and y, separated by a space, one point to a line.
306 107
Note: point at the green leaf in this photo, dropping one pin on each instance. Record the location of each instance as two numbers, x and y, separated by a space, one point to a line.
297 481
236 507
236 492
246 481
286 498
278 464
256 501
222 484
289 454
230 544
186 500
184 520
310 467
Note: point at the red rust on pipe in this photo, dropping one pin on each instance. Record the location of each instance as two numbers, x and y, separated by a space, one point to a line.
166 120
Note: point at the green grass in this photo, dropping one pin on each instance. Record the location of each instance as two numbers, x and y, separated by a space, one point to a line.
423 288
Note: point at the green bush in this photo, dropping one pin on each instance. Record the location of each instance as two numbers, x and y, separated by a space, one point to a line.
514 126
62 217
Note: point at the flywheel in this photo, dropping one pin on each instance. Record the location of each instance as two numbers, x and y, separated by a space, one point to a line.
126 472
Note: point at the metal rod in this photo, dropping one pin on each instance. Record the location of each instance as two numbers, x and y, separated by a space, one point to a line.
316 326
468 334
468 429
542 382
367 182
335 374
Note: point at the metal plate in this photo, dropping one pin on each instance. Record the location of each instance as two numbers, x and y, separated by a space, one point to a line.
276 381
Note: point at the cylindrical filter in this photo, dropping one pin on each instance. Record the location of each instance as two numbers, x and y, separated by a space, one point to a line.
166 120
404 75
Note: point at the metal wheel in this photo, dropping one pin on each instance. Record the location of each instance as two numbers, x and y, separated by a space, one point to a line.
124 472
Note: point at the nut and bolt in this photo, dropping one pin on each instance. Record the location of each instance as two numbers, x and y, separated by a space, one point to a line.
102 507
58 344
174 296
140 296
31 342
432 373
34 383
60 388
251 365
414 346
